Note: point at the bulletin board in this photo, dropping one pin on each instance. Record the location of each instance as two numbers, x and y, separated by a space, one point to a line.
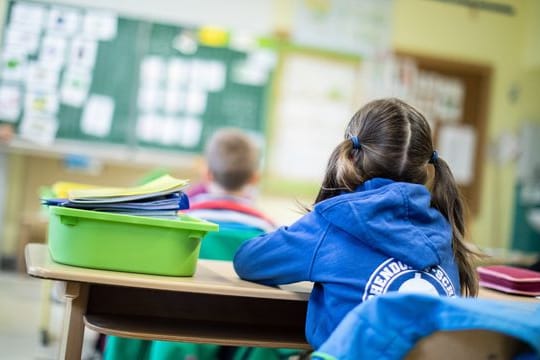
461 138
91 76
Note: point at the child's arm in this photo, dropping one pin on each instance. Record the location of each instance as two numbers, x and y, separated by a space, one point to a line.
283 256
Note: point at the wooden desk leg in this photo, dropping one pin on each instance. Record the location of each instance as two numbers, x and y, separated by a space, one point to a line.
73 329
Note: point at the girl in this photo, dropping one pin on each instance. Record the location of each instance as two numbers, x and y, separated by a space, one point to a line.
375 227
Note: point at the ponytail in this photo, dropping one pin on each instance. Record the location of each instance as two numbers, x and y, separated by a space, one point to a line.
447 199
342 173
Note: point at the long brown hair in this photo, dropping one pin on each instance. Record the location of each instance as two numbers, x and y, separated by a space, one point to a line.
395 143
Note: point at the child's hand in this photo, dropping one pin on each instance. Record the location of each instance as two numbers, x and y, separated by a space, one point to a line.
6 133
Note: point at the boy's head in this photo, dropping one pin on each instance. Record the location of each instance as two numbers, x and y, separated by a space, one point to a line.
233 159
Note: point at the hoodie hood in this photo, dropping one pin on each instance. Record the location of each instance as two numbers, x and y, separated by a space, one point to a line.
394 218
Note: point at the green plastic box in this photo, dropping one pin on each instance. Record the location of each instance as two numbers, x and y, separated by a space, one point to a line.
128 243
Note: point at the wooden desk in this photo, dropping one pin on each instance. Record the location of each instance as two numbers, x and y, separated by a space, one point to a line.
213 306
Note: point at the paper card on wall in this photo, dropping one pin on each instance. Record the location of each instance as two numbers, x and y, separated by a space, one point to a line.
97 116
171 130
215 78
249 73
40 77
152 71
195 101
23 39
174 101
100 25
41 102
457 145
150 99
149 127
30 16
53 51
63 21
75 86
13 64
10 102
178 73
38 128
191 132
83 53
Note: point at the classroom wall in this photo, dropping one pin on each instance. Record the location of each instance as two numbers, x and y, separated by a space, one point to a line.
443 29
510 45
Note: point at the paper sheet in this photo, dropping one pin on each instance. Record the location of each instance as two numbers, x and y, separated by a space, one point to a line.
150 98
13 64
40 77
175 101
41 103
149 127
10 102
37 128
191 132
456 145
100 25
23 39
53 51
83 53
30 16
152 71
63 21
178 72
75 86
195 101
97 116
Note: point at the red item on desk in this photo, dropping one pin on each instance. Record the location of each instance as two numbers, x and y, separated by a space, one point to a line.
510 279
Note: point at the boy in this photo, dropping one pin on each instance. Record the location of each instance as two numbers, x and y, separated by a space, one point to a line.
225 197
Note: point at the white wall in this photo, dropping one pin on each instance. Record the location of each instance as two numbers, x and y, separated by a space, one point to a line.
255 16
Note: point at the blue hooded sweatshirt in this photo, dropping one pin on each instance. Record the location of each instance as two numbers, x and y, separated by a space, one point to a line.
383 237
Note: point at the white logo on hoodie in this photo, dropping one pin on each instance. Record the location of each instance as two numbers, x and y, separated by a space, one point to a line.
393 275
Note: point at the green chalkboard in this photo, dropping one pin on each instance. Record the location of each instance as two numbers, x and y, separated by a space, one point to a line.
133 70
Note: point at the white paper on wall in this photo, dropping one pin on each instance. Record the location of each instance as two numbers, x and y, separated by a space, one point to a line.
178 73
40 77
150 99
83 53
41 103
30 16
22 39
191 132
38 128
97 116
100 25
63 21
149 127
53 51
195 101
171 130
10 102
152 71
175 101
456 145
75 86
13 64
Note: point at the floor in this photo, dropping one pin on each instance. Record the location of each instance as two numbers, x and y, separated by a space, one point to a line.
21 312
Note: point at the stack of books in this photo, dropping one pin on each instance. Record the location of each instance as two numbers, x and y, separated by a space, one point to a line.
162 197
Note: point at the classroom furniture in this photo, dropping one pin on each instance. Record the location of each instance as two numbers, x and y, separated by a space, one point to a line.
214 306
421 326
33 229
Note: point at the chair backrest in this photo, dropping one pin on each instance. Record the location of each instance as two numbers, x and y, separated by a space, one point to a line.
418 326
467 345
222 244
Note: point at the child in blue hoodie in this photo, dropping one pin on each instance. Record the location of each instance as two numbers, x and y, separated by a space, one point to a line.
388 217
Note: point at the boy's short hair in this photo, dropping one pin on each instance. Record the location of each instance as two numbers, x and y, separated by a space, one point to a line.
233 158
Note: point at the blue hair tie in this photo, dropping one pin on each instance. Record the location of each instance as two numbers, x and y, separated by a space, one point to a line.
355 142
434 157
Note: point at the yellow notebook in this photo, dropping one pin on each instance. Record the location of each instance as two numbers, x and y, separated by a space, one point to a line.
163 185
